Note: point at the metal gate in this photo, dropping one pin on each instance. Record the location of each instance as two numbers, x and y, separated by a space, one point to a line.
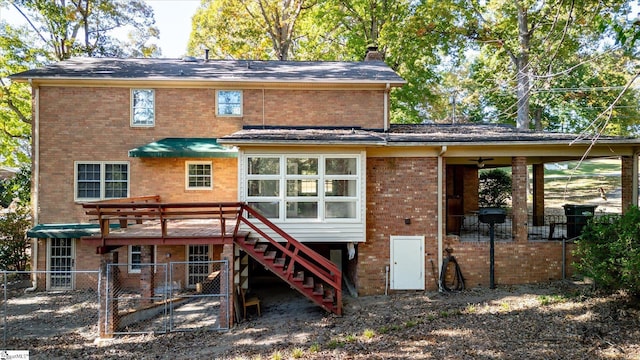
165 300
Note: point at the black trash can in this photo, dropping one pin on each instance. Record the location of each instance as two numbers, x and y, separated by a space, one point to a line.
577 217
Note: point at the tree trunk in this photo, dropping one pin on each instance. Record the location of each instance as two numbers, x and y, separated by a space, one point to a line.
522 66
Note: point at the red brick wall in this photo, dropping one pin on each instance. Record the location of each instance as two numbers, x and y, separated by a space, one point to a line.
397 188
358 108
93 124
515 263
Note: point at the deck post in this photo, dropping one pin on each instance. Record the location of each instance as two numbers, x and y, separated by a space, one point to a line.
226 287
147 274
109 285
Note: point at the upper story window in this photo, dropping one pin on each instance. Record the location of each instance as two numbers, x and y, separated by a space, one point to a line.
316 187
229 103
101 180
199 175
142 107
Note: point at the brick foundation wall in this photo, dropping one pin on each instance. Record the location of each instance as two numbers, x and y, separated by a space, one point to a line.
397 188
515 263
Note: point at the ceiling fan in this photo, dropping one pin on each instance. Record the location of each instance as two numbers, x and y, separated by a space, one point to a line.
481 161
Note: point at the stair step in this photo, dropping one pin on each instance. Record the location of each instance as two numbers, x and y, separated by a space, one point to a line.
318 290
260 248
279 262
270 255
327 299
299 276
308 283
251 241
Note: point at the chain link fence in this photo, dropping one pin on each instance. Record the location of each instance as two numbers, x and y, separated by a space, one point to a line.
71 306
203 303
126 299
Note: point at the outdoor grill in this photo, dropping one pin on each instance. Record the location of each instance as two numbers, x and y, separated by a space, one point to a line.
492 215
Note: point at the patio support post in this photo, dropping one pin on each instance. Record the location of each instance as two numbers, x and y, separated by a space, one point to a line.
147 274
626 181
109 285
227 302
538 194
519 198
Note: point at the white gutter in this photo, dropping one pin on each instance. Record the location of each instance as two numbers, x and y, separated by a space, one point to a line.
35 134
440 212
386 107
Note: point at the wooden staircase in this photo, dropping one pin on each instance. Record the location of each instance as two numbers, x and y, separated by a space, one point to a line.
308 272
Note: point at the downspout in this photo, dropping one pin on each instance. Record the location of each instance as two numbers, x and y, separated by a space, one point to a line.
443 150
386 107
35 133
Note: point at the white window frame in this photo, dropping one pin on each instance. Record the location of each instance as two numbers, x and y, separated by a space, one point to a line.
102 165
153 119
187 176
320 198
241 105
130 262
132 270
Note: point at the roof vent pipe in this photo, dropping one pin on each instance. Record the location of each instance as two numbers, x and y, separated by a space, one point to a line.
206 54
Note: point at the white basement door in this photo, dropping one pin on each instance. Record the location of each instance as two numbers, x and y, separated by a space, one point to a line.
407 263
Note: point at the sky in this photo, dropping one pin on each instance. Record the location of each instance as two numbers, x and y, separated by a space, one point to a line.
173 18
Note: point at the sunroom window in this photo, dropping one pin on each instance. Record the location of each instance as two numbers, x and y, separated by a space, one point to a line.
305 187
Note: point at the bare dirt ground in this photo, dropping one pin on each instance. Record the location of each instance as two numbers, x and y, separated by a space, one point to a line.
561 320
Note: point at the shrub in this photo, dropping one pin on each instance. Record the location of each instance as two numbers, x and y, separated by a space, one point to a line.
494 188
608 251
16 187
13 240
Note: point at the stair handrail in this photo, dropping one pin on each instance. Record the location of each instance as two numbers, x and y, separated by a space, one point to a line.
329 273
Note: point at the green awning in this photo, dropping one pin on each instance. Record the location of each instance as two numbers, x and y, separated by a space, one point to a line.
184 148
64 231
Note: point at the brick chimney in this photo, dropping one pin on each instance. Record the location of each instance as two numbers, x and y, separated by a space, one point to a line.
373 54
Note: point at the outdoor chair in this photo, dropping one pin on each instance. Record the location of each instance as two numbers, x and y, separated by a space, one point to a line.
247 302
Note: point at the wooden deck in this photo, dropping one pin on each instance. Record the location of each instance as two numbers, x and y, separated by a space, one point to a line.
178 232
150 222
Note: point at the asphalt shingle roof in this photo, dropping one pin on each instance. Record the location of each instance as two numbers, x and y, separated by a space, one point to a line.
216 70
424 134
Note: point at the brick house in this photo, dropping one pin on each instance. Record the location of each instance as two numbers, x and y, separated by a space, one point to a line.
308 145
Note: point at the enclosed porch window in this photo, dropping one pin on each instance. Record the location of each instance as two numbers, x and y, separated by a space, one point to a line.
304 187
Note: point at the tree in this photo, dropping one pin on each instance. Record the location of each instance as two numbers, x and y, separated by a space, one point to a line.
13 240
16 55
494 188
17 187
527 49
88 27
247 29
